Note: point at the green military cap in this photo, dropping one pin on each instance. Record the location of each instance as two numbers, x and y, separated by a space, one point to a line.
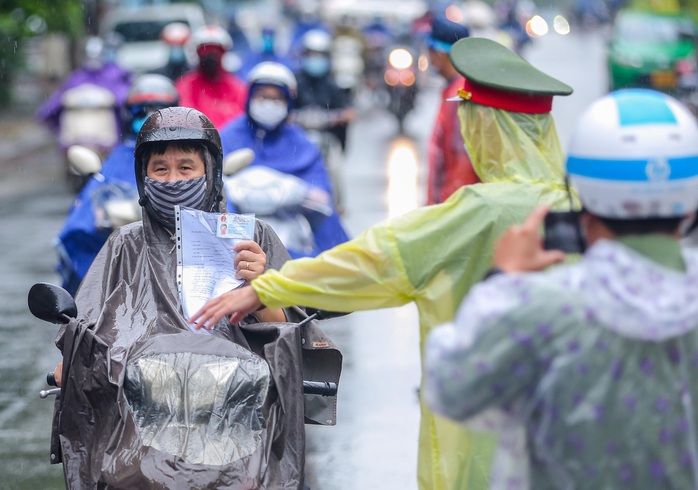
497 77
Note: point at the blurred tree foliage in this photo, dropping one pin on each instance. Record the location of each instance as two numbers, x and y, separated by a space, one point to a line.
20 19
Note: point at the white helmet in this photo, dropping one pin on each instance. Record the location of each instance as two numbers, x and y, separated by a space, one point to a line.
176 33
272 73
317 40
213 34
634 155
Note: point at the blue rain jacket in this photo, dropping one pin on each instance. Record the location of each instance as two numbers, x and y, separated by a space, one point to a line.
288 150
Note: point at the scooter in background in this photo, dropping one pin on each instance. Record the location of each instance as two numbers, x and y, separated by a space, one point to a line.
109 200
86 109
400 77
88 119
114 203
291 206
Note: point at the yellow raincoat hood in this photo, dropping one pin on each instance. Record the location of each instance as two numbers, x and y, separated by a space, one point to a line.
511 146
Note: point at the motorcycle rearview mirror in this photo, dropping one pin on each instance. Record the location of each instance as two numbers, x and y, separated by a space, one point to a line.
83 161
237 160
51 303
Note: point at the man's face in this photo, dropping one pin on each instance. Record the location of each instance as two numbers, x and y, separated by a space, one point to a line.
439 60
210 56
174 165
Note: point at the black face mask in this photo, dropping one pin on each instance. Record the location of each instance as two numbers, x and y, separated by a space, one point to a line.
209 66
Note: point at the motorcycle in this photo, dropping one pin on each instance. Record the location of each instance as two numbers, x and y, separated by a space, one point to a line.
87 118
400 76
108 200
114 203
291 206
187 410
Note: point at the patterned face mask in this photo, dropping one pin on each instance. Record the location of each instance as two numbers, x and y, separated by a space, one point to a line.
163 196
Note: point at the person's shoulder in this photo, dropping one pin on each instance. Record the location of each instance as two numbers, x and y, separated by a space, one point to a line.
294 132
128 233
236 125
235 81
187 77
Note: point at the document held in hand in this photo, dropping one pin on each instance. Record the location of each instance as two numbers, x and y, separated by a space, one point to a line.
205 255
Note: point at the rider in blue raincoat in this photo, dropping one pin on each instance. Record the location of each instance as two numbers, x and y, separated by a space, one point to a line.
83 233
282 146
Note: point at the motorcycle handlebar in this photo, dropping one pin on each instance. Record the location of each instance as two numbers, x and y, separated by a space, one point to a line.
324 388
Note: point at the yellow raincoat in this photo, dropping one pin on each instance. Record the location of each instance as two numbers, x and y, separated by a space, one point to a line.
432 256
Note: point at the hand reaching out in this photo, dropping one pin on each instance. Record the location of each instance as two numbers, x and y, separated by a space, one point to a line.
238 303
520 247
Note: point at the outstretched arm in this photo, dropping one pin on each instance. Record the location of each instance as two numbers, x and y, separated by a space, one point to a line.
238 302
362 274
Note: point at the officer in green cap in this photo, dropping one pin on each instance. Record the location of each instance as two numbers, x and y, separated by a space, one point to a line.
433 255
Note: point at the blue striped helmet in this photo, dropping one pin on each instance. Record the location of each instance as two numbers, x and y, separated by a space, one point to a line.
634 155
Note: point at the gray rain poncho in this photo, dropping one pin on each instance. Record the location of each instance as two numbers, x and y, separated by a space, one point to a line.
598 359
147 403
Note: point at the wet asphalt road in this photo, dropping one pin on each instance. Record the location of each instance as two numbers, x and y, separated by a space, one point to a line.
33 204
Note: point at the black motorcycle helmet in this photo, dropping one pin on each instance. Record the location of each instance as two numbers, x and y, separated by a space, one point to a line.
186 125
147 94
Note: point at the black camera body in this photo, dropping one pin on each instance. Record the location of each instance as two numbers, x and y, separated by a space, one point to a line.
563 232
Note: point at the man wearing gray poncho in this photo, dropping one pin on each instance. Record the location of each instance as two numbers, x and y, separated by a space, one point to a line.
148 403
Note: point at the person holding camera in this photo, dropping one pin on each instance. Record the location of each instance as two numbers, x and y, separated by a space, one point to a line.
504 109
596 358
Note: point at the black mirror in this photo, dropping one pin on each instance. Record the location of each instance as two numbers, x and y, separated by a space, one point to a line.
51 303
323 314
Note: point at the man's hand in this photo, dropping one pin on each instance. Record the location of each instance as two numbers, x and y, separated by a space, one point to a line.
58 374
250 261
237 303
520 248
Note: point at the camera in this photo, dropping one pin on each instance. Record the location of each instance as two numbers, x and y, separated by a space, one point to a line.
563 232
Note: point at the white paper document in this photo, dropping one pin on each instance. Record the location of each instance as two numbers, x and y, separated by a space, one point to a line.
205 256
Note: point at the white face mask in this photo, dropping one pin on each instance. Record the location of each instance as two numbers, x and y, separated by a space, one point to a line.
268 113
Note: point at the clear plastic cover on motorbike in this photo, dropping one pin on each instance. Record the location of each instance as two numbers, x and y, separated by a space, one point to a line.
291 206
264 191
206 409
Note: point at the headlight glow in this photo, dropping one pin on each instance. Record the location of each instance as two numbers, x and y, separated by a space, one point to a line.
561 25
537 26
423 63
400 59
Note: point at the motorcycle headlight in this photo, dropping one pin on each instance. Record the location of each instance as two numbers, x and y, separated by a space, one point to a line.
400 59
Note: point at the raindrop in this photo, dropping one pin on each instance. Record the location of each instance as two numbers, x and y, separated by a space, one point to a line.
36 24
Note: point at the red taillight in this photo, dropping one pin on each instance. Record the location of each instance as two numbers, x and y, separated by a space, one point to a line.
407 78
392 77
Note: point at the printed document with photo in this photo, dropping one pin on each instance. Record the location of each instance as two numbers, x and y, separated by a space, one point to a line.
205 255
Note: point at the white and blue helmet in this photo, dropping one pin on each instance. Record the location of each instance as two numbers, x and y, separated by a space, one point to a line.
634 155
